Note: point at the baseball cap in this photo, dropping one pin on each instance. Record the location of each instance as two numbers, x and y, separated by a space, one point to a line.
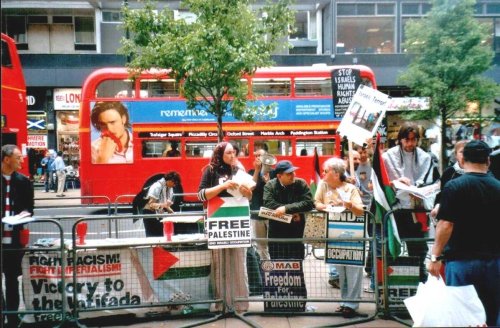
476 151
285 167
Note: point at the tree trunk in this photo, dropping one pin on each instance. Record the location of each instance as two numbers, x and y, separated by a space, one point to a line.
220 132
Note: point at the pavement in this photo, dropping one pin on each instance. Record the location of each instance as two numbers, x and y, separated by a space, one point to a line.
257 317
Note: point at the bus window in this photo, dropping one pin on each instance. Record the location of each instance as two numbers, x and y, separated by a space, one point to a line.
159 88
313 87
200 148
367 82
281 147
271 87
160 148
241 145
325 147
115 89
6 61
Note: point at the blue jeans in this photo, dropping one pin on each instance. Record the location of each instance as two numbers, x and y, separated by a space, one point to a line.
485 276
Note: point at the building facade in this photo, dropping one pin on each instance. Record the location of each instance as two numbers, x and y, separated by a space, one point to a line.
62 42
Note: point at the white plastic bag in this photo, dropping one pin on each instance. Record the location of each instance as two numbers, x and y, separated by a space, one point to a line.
438 305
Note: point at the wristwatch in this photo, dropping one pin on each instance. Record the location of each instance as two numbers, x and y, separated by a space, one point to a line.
435 258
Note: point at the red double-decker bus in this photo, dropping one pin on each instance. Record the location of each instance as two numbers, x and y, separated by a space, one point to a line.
161 134
14 107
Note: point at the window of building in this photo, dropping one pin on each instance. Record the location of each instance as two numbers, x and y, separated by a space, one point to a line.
16 29
62 19
301 25
84 30
38 20
112 16
493 8
366 28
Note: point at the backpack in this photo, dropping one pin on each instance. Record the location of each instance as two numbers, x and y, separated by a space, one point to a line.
139 200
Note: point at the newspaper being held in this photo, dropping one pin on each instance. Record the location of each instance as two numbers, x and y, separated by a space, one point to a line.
21 218
335 209
422 192
271 214
243 179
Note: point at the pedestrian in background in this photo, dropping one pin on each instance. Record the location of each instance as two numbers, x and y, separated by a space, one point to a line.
61 173
215 181
47 166
17 197
467 230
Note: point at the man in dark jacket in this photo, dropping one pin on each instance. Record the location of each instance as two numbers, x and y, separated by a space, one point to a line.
287 194
17 196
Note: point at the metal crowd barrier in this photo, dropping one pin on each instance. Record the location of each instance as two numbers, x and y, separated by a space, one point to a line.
36 276
320 295
61 202
138 275
393 307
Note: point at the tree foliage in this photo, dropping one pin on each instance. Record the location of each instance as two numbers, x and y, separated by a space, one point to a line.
449 52
209 56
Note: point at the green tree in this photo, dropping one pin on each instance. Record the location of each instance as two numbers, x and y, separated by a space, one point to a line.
449 52
210 55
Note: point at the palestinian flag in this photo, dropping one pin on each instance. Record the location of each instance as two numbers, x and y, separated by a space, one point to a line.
178 270
384 197
316 175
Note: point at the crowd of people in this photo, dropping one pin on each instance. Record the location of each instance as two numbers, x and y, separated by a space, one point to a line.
464 212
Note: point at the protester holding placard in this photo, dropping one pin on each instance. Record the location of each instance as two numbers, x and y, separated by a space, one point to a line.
333 190
217 181
17 196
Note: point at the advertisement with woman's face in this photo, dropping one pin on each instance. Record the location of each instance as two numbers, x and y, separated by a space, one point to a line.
111 133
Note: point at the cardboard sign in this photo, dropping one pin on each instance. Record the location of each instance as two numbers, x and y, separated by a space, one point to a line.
364 115
271 214
345 225
283 279
345 82
228 222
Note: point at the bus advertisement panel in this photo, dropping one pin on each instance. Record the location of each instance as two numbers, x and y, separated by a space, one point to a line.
14 107
150 129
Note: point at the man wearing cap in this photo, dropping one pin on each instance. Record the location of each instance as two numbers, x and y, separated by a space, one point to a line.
467 231
287 194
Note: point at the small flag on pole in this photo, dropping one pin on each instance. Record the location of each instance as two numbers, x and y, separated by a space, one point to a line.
316 175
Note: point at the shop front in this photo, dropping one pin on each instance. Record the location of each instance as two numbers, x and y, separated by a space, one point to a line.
67 105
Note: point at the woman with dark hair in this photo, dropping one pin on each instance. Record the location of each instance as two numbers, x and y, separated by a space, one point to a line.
160 199
215 181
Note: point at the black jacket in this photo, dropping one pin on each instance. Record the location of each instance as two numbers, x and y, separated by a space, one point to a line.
22 199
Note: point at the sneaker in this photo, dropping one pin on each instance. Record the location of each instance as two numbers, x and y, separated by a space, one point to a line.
44 191
60 195
334 282
369 290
